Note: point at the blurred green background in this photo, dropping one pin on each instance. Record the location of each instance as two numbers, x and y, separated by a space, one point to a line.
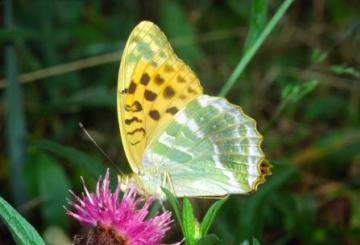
302 87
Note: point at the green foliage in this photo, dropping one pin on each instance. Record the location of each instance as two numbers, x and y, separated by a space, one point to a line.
292 94
15 118
251 51
174 22
195 233
190 225
21 230
48 182
345 70
302 87
76 157
255 241
257 21
317 56
209 240
210 216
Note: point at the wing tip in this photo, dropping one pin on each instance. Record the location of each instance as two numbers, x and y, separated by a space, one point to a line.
144 23
264 169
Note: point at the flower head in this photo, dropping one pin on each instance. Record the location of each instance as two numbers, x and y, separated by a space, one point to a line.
115 220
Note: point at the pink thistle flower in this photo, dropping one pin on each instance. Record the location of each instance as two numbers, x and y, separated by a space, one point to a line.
115 220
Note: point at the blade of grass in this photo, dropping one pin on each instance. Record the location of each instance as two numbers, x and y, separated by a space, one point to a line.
291 94
188 222
15 119
257 21
249 54
175 205
210 215
21 230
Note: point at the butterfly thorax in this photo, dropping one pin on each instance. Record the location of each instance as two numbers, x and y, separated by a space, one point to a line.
148 183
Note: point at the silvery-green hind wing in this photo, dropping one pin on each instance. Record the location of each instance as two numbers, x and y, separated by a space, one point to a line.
211 148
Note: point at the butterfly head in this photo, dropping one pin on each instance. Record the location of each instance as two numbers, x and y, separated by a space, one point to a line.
126 181
133 179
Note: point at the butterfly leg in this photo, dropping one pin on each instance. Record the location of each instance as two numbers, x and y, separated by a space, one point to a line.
166 178
169 180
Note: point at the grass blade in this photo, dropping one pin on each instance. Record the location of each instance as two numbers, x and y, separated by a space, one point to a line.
255 241
209 216
175 205
253 49
21 230
257 21
15 119
188 222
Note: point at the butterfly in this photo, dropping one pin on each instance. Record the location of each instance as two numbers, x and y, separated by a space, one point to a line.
175 136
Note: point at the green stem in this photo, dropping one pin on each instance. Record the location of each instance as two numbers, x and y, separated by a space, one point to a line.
253 49
15 119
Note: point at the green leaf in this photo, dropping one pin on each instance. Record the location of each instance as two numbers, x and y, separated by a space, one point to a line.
253 208
251 51
211 239
291 94
317 56
78 158
294 93
21 230
210 215
15 117
53 187
255 241
257 21
175 205
345 70
188 222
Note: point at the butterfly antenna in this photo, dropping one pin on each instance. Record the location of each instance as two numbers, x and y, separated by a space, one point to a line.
98 147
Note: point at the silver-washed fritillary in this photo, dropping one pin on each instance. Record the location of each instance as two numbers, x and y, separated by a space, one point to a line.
176 137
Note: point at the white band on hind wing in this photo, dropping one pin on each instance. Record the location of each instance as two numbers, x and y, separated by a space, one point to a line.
211 147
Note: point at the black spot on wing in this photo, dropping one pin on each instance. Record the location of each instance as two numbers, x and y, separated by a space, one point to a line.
169 68
145 78
142 130
135 107
154 114
149 95
180 79
158 79
169 92
172 110
132 87
191 91
131 120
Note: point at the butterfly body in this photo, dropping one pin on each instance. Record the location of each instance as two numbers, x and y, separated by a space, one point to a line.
176 137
